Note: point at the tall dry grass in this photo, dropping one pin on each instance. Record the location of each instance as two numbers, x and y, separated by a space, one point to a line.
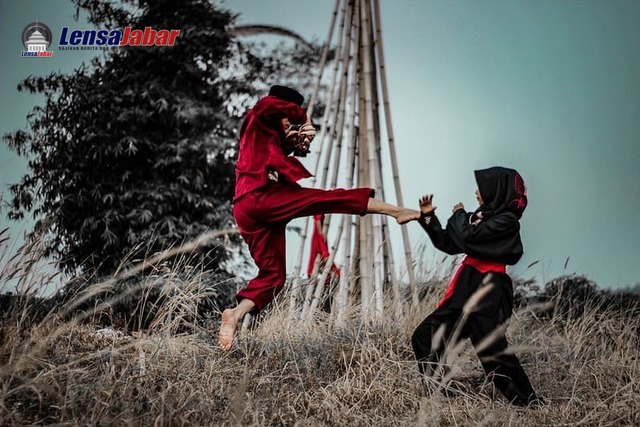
62 369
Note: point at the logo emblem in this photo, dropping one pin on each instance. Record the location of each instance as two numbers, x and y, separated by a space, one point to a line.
36 38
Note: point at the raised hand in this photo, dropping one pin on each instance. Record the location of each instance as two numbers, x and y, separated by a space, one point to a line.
457 207
307 131
426 204
298 137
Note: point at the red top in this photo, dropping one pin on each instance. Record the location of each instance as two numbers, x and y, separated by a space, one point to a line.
481 265
261 145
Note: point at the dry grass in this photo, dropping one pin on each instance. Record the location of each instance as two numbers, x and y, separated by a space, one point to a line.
285 372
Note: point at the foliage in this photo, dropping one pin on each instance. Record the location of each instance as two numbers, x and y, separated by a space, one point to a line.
130 155
135 152
574 296
255 66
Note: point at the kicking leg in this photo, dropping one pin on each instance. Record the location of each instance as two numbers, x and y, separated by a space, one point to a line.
402 215
282 203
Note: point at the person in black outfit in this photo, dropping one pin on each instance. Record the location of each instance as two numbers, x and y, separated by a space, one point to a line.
490 238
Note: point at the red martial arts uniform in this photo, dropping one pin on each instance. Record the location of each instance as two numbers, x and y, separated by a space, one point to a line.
267 195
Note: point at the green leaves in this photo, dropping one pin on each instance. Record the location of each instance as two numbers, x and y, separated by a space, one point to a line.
134 153
119 149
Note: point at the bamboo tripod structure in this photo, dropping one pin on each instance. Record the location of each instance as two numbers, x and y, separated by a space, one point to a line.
348 154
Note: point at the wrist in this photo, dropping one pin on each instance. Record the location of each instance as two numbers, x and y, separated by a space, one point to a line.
426 214
425 218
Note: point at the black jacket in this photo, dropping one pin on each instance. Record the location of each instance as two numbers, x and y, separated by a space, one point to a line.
496 238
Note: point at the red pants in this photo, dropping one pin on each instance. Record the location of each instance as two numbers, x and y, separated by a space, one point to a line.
262 216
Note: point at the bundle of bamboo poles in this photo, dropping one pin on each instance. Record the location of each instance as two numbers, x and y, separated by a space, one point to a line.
348 154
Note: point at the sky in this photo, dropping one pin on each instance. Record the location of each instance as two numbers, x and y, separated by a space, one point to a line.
548 87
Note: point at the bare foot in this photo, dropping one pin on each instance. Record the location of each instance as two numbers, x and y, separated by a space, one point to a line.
406 215
227 329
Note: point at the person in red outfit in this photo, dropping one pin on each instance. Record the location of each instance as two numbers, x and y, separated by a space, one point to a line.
490 239
267 196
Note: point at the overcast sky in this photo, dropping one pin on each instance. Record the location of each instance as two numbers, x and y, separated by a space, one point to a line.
548 87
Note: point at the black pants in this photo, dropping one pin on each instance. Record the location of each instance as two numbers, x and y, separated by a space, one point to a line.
504 370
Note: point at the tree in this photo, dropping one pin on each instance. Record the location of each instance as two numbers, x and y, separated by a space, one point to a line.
135 152
132 154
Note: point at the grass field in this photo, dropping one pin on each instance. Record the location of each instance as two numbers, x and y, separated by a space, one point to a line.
66 370
76 363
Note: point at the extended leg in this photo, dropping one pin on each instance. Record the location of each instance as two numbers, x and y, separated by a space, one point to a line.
282 203
504 370
402 215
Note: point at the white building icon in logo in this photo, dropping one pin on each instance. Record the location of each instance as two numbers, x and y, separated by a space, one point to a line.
36 38
37 42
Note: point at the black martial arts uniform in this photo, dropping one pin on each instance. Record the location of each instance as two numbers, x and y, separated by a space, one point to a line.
490 238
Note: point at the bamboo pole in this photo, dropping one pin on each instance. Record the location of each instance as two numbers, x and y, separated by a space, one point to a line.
380 238
365 244
350 164
354 279
319 143
388 256
329 131
309 290
367 259
392 153
338 134
375 231
340 122
323 60
343 96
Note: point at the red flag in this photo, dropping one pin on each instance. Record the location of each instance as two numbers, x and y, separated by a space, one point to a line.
319 247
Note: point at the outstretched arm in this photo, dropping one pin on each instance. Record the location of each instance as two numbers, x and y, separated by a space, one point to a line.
430 223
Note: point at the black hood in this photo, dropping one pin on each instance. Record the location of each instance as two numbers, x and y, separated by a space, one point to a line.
502 190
